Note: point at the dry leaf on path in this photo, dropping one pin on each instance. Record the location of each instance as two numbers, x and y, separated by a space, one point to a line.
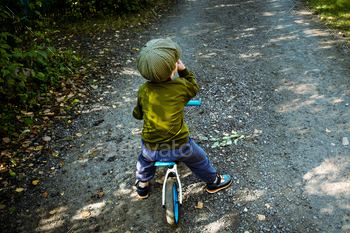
94 86
267 205
46 139
60 99
80 157
19 190
328 131
100 195
199 205
79 134
44 194
35 182
6 140
85 214
261 217
52 212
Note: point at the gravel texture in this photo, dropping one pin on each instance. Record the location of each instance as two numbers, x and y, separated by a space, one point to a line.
266 69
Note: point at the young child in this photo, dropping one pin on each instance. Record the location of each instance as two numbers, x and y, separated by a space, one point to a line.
160 103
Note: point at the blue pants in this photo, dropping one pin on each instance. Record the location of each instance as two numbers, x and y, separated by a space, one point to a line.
190 154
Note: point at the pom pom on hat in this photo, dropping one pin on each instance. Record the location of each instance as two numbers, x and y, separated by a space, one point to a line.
157 59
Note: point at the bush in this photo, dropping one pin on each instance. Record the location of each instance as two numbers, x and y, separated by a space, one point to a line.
80 9
28 67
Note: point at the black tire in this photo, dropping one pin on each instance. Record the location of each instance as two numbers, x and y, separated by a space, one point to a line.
169 203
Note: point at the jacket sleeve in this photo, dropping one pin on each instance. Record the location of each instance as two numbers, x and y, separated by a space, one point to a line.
137 113
192 85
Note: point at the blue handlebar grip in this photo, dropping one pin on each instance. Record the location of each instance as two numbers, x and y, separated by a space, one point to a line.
194 103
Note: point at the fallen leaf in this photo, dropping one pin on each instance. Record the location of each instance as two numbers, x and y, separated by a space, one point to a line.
52 212
46 139
44 194
100 195
19 190
94 86
199 205
79 134
328 131
54 154
12 173
60 99
41 172
267 205
38 147
30 114
261 217
6 140
85 214
69 121
215 145
35 182
80 157
81 164
68 139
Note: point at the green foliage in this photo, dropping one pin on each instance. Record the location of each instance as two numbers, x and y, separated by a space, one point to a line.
335 13
77 10
29 67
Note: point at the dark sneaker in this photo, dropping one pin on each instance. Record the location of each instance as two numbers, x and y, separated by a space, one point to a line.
218 185
142 192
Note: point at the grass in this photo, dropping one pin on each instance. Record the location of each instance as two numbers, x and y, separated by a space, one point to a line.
334 13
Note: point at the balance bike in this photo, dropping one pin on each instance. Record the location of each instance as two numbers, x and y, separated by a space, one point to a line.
172 190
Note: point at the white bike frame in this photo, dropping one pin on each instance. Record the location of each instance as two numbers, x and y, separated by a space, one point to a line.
173 169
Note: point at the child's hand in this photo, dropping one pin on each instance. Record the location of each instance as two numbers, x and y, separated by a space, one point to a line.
180 65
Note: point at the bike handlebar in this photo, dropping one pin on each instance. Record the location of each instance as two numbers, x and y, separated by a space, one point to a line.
194 103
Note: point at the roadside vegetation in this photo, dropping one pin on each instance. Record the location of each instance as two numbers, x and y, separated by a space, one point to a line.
334 13
41 84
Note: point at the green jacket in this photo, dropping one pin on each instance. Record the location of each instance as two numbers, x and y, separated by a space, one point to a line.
161 105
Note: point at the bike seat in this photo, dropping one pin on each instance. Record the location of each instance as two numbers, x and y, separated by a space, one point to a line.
164 164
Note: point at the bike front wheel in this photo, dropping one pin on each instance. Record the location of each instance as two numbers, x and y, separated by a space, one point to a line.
172 203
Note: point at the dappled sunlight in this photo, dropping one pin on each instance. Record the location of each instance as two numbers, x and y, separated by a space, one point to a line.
253 196
95 209
209 55
326 182
130 71
124 189
50 222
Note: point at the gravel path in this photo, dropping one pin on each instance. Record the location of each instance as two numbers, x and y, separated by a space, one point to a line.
267 70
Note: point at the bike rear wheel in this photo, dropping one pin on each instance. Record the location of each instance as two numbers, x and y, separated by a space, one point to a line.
172 203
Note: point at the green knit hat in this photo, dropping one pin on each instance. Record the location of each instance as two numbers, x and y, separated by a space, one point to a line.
157 59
